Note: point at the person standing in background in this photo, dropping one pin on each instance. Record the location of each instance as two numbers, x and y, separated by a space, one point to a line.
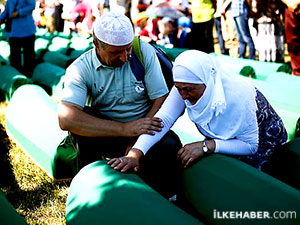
292 33
21 35
202 24
58 20
241 9
217 20
1 7
270 30
120 6
49 12
82 17
229 33
227 26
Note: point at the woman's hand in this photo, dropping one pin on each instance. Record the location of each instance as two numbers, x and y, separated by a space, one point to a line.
189 153
193 151
125 163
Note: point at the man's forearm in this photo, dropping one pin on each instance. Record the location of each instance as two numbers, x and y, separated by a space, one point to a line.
75 120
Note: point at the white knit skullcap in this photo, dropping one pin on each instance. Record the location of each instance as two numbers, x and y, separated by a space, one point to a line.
114 29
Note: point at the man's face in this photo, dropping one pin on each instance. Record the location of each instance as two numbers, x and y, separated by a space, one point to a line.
114 56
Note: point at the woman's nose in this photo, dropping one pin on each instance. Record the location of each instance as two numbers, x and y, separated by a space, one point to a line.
183 95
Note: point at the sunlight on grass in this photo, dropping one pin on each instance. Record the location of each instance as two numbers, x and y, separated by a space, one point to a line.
35 195
3 106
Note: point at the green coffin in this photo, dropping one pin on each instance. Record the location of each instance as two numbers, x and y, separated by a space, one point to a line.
57 58
287 163
10 80
219 184
236 65
283 92
58 43
49 76
32 122
41 44
8 214
100 195
5 49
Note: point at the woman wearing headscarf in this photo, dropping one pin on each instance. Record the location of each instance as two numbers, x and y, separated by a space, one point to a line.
21 34
235 118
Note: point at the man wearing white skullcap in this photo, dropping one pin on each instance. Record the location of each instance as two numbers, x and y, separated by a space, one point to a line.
120 107
114 29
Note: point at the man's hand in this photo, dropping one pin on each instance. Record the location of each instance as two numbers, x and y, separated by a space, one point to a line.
130 161
142 126
74 119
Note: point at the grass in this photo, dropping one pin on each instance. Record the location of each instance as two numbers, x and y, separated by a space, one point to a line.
34 195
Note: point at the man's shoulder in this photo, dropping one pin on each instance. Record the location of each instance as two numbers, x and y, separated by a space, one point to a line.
146 48
87 55
148 53
84 60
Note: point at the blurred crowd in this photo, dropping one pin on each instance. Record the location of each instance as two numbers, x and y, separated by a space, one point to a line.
245 28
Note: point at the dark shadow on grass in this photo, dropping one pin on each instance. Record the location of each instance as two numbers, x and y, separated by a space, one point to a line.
7 177
27 200
32 199
2 99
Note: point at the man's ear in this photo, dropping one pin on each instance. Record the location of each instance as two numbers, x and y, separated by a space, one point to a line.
95 42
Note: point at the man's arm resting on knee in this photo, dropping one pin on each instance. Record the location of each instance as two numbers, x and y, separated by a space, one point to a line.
74 119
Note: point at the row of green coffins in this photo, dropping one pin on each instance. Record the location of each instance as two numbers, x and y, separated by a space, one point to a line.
61 51
11 79
65 45
45 74
60 55
54 53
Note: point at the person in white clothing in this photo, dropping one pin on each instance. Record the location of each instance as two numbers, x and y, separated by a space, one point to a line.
235 117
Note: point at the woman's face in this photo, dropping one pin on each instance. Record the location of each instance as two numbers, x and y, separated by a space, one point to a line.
190 92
